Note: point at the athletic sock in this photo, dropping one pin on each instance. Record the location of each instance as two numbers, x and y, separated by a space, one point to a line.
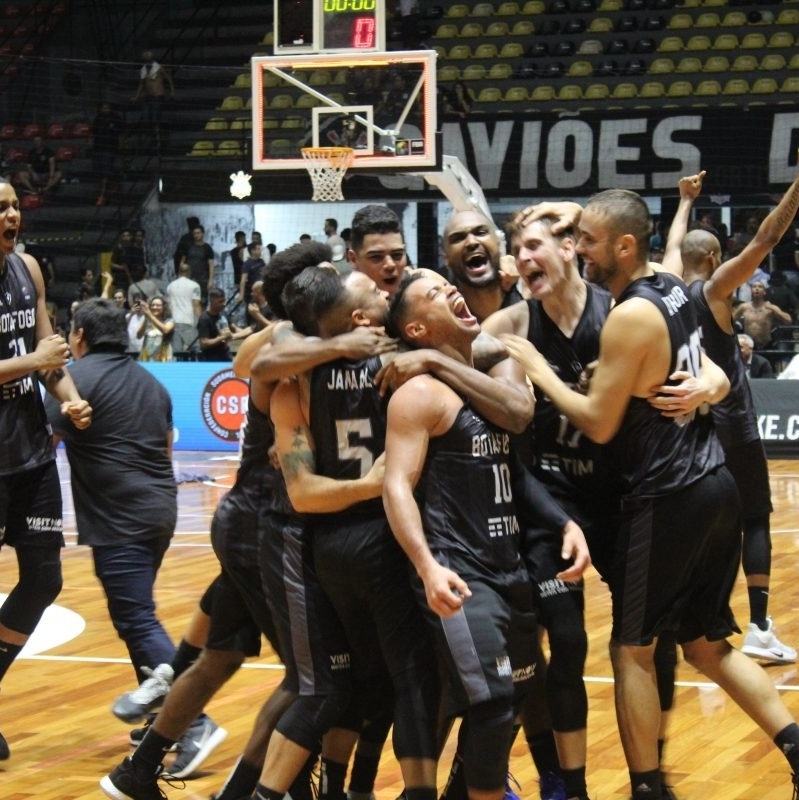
150 753
646 785
8 652
185 656
364 772
455 787
574 782
262 793
241 782
544 752
787 740
758 606
331 780
301 788
421 793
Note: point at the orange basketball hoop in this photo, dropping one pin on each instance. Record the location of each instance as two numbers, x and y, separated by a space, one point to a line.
327 167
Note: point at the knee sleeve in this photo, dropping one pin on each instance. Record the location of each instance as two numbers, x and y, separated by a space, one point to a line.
756 546
566 694
416 704
534 711
38 586
309 717
665 668
486 744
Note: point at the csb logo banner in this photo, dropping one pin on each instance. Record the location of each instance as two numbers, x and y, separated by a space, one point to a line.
209 404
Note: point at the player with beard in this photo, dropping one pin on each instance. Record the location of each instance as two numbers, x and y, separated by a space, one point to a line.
663 576
485 278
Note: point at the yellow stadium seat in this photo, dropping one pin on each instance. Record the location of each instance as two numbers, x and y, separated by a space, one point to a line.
489 94
580 69
485 50
511 50
788 16
601 25
245 124
590 47
508 9
270 79
292 123
707 19
611 5
772 62
482 10
523 28
202 148
681 22
540 94
652 89
229 147
781 40
533 7
320 77
661 66
707 89
474 72
269 38
570 91
471 30
596 91
458 11
734 19
497 29
518 94
689 65
736 86
698 42
281 147
216 124
243 81
790 86
500 71
624 91
460 52
713 3
794 62
306 101
716 64
448 73
753 41
671 44
679 89
764 86
725 41
745 63
281 101
232 103
446 31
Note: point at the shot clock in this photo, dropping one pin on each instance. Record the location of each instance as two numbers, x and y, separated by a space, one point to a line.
329 26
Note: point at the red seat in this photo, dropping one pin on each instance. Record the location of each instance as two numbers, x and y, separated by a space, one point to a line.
81 129
15 155
32 129
57 130
66 152
28 202
9 132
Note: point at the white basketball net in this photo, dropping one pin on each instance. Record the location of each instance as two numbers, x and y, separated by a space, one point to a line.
327 166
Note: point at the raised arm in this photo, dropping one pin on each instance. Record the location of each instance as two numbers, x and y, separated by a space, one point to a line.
690 188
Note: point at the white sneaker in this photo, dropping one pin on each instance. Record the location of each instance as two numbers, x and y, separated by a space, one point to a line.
197 743
766 646
133 706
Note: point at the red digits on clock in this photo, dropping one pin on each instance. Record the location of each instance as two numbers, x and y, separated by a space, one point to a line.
364 33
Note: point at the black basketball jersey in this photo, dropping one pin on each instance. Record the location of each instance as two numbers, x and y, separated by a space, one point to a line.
562 455
258 484
348 424
734 416
467 499
24 432
657 455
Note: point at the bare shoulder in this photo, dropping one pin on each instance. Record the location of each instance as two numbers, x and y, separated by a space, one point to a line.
513 319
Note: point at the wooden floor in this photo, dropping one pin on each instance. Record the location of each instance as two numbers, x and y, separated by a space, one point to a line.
54 708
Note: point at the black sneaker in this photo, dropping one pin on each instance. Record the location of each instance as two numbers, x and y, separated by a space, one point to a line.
125 783
667 791
137 734
5 753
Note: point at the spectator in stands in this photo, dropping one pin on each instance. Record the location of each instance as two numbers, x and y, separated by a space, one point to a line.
331 231
41 173
780 294
457 101
238 255
271 249
138 255
756 365
106 132
741 238
146 287
258 310
184 242
250 272
153 83
759 317
706 222
120 301
134 321
185 300
6 170
121 256
156 330
214 329
257 238
200 257
305 237
88 285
